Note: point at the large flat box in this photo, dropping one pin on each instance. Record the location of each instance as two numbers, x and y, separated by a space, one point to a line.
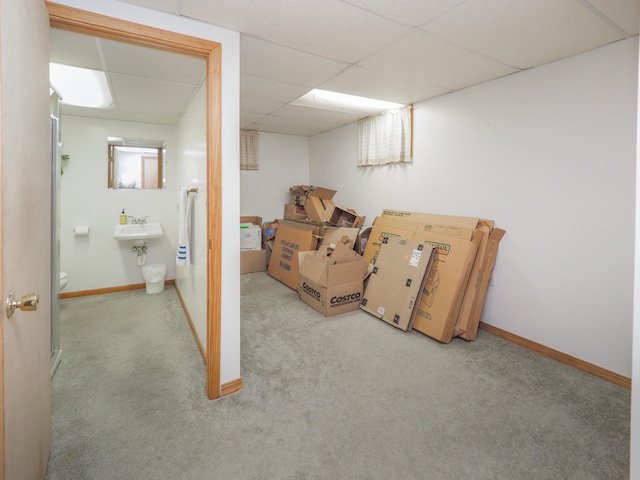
443 292
456 247
331 279
291 238
395 285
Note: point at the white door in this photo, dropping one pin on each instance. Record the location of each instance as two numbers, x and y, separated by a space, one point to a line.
25 240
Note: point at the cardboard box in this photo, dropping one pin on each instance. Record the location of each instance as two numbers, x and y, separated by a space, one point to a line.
456 247
488 262
444 290
291 238
331 280
294 212
319 206
252 261
395 285
298 194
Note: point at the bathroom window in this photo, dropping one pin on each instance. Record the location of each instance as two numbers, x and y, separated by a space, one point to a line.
135 164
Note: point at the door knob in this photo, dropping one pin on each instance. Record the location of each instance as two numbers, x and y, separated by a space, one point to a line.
28 303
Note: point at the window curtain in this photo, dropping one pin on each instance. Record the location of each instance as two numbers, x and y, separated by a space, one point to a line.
385 138
249 152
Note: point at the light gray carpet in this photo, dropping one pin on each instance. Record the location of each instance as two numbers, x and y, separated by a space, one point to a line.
347 397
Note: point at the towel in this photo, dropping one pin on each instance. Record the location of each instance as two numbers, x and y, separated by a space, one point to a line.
183 257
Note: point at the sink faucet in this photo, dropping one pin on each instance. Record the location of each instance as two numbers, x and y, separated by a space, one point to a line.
140 221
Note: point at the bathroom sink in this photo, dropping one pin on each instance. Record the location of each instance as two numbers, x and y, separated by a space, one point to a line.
138 231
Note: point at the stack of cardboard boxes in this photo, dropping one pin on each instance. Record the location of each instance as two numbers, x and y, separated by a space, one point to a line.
415 271
310 220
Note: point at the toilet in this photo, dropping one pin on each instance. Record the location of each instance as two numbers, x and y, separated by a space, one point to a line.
64 279
154 276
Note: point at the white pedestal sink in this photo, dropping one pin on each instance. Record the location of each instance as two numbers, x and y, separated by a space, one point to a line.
138 231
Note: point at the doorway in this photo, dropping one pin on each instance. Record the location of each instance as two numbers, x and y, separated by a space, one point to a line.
110 28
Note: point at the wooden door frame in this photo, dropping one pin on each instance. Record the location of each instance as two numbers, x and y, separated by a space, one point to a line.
81 21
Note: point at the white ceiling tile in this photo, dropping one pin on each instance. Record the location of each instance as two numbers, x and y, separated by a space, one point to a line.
247 119
284 130
317 114
154 118
137 94
70 48
152 63
106 113
295 122
254 105
435 62
329 28
523 33
268 60
410 12
383 86
624 13
271 90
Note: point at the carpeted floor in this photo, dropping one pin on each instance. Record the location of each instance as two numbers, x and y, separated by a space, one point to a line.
347 397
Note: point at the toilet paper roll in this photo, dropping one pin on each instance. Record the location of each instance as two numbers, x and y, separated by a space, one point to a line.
81 231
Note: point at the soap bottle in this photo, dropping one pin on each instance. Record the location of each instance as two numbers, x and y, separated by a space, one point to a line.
123 218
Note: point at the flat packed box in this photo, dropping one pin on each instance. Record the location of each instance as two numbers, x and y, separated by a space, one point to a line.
456 247
291 238
331 279
252 261
396 283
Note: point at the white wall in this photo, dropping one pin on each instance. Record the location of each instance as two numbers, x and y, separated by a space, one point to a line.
192 172
284 162
230 41
99 260
549 154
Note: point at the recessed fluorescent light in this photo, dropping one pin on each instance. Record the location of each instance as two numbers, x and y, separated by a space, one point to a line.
80 86
341 102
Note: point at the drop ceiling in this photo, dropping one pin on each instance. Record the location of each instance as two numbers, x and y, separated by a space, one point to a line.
402 51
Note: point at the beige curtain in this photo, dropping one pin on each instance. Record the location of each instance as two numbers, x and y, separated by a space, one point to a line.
249 151
385 138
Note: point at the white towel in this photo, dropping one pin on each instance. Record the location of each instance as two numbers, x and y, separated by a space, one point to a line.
183 257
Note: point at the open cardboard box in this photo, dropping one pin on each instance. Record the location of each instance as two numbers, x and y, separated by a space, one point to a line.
331 279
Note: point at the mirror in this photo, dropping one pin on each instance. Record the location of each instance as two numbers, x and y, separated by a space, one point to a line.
135 163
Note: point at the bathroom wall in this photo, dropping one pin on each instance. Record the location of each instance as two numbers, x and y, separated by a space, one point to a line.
284 161
549 154
98 260
230 121
192 172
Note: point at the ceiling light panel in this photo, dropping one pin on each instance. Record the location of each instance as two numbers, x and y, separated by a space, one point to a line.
80 86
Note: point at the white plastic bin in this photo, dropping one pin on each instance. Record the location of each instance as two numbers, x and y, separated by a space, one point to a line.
154 276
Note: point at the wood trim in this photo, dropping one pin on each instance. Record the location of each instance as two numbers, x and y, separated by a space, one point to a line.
214 225
193 328
587 367
232 387
100 291
81 21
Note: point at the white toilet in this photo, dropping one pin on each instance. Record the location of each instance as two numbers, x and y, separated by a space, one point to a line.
154 276
64 279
